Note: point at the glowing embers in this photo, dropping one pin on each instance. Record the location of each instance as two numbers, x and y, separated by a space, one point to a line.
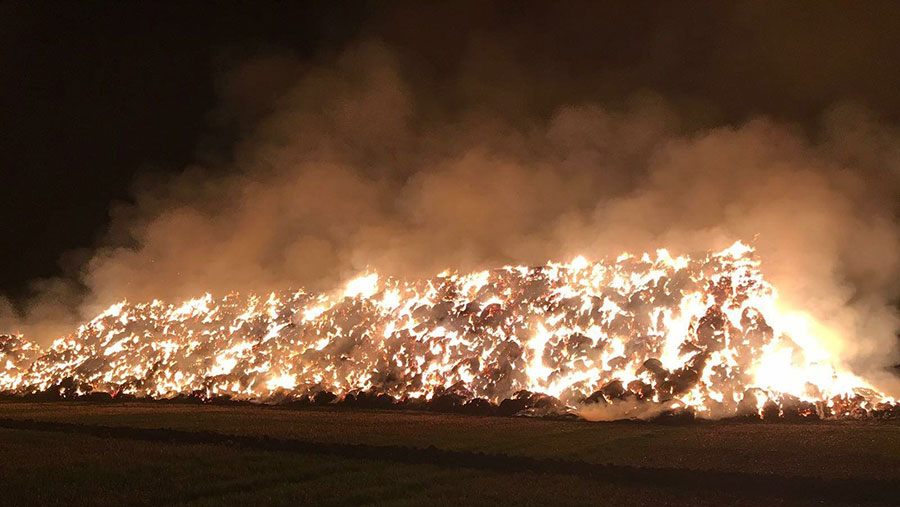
619 339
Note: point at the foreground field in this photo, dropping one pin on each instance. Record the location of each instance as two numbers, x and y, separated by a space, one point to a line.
78 453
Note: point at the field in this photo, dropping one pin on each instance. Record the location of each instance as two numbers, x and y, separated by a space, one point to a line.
71 453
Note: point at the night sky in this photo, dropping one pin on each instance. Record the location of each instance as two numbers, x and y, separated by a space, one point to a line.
93 95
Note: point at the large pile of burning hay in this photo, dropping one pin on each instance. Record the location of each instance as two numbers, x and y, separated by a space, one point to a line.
632 338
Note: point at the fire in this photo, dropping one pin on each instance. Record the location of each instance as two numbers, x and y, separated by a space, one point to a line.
705 334
364 286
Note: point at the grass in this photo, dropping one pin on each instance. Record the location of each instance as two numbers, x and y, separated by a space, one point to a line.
68 466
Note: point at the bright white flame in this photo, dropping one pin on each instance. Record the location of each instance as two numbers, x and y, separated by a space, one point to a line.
363 286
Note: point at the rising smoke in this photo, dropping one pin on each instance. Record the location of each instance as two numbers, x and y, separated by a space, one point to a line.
357 162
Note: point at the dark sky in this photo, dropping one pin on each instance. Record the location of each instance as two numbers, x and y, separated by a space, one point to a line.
92 95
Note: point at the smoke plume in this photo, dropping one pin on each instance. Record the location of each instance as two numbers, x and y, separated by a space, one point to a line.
358 162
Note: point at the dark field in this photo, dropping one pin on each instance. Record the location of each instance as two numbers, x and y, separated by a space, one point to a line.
147 454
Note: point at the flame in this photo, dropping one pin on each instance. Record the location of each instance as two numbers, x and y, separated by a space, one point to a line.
364 286
703 333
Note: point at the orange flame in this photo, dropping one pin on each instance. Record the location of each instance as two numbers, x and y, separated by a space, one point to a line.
704 333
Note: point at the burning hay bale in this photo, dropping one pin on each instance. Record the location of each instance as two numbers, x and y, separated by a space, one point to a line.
637 337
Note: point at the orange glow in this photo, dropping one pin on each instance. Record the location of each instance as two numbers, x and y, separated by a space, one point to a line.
705 333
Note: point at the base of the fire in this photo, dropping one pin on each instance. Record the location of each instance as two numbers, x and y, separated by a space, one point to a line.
614 401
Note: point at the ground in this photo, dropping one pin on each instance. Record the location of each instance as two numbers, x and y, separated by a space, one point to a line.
71 453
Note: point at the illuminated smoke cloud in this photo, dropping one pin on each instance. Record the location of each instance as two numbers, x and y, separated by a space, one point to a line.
352 166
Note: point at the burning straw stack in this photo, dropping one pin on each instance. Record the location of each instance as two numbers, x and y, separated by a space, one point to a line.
637 337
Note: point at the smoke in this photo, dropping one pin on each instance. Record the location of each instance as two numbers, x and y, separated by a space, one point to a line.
358 162
618 410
